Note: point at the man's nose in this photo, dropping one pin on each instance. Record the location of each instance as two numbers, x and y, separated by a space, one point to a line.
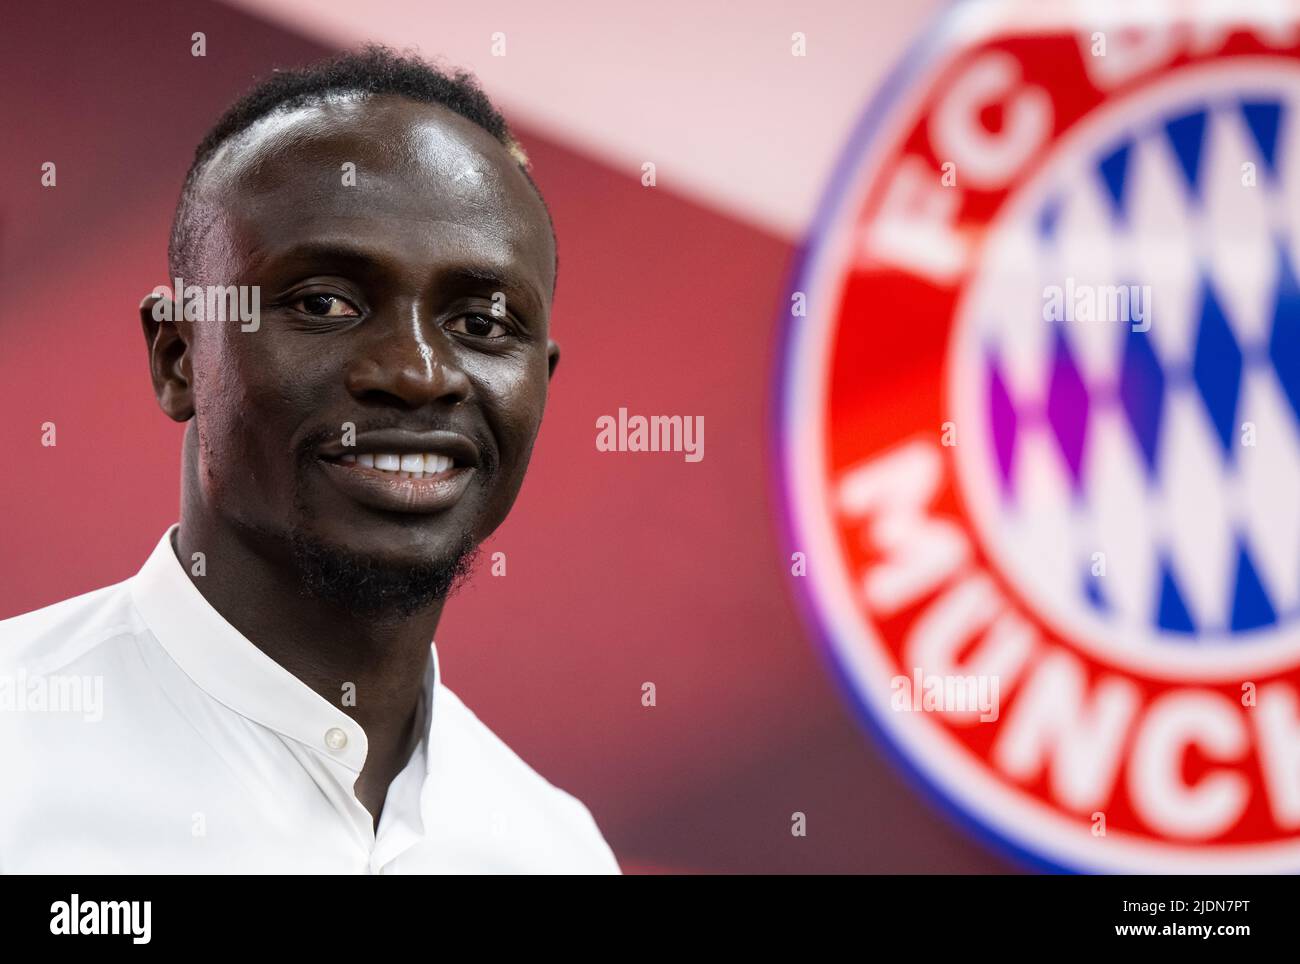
410 368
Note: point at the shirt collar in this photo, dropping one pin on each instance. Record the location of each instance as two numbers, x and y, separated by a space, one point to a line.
233 671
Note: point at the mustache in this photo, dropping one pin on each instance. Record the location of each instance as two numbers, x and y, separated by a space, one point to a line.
488 458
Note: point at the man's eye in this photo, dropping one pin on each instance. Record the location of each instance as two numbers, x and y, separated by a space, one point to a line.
326 306
480 326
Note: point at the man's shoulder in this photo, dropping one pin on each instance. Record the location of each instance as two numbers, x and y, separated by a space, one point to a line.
564 817
46 639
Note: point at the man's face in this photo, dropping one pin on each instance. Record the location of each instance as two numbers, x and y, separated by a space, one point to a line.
377 309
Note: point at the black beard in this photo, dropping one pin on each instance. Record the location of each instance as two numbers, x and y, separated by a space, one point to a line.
365 587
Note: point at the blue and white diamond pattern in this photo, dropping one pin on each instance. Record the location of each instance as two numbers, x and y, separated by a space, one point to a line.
1090 437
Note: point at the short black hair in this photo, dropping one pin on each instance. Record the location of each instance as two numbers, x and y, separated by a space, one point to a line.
374 69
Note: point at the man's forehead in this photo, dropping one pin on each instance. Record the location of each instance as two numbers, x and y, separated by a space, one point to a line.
382 159
386 130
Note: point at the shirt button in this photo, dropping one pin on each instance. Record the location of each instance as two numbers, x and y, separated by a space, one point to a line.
335 738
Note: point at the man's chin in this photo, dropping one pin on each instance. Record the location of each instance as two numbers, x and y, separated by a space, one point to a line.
378 585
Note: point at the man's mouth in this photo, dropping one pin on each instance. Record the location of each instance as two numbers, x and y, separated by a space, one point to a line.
405 466
399 471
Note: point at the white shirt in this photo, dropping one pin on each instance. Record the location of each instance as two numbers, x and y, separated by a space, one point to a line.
141 733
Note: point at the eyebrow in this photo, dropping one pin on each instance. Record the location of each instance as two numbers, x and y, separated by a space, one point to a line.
335 253
499 282
471 272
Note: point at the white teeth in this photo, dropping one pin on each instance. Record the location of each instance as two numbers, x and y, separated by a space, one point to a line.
406 465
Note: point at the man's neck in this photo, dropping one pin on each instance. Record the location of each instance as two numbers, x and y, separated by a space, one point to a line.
381 662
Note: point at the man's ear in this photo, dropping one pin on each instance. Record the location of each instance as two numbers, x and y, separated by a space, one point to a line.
165 337
552 357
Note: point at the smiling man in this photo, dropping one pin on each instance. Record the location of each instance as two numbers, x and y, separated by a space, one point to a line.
269 693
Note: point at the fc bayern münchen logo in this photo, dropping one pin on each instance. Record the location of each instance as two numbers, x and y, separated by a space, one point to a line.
1039 432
